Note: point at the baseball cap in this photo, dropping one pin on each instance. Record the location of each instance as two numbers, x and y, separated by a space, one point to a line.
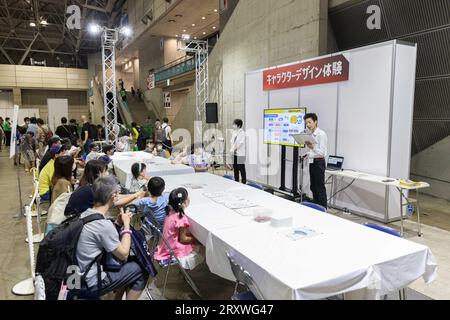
57 149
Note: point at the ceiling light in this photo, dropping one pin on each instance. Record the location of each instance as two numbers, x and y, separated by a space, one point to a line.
186 37
44 22
126 31
195 38
214 28
215 10
32 24
203 18
184 30
193 24
204 32
176 35
171 20
178 16
94 28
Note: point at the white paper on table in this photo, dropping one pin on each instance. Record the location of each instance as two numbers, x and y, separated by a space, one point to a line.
214 195
297 233
193 186
240 204
247 212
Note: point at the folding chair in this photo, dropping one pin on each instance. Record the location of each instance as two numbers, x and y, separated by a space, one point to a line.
314 206
244 278
256 186
149 225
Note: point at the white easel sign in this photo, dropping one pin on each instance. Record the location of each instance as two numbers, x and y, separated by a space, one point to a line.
12 150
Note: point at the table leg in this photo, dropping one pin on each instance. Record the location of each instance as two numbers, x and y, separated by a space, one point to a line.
418 214
401 210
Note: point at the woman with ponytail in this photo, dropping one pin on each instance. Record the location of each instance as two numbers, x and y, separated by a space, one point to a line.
176 232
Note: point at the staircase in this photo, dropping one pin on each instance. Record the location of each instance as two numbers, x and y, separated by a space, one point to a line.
138 110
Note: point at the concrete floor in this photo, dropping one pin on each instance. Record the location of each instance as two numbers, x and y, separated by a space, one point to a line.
14 261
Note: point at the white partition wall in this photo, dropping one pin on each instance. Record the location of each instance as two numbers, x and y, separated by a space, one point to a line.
23 113
57 108
368 120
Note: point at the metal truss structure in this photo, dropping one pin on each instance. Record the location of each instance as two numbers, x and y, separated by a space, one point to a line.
109 41
200 49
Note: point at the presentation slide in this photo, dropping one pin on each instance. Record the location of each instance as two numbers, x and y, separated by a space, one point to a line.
280 124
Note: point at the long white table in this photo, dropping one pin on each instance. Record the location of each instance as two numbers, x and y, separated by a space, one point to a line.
156 166
131 156
388 182
343 258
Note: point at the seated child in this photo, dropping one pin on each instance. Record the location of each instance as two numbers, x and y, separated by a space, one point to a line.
139 179
94 154
108 152
155 205
150 148
159 151
176 232
198 159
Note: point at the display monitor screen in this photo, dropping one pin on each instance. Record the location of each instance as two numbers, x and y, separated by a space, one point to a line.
280 124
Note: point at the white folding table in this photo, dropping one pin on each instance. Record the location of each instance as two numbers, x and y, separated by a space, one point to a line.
343 257
156 166
386 181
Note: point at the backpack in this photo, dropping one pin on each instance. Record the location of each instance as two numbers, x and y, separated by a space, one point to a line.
143 254
160 135
56 212
93 132
57 252
143 134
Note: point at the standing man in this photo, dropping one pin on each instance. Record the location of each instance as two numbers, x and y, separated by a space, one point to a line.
42 138
26 123
238 151
167 143
63 131
86 139
7 130
33 127
316 155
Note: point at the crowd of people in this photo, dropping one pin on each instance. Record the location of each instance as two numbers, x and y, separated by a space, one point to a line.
71 149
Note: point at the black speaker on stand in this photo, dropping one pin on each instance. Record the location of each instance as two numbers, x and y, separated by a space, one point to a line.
212 113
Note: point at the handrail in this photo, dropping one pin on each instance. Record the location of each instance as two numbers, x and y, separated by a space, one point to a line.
173 63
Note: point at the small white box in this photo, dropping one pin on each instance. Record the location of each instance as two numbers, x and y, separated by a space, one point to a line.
282 221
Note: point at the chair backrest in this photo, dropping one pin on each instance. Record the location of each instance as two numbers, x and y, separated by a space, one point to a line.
383 229
244 277
314 206
228 177
255 185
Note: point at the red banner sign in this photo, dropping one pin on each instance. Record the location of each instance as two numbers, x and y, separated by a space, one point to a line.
326 70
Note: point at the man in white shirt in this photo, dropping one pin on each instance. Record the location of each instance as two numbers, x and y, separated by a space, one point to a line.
167 143
317 153
238 151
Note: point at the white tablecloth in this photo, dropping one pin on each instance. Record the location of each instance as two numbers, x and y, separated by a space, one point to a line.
344 257
131 156
156 166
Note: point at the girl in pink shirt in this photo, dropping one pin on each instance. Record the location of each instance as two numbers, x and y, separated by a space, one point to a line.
176 232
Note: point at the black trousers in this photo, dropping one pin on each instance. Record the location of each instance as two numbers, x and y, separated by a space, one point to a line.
239 167
317 176
8 138
167 145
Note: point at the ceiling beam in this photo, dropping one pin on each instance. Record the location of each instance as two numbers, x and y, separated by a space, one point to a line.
27 52
11 61
40 51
